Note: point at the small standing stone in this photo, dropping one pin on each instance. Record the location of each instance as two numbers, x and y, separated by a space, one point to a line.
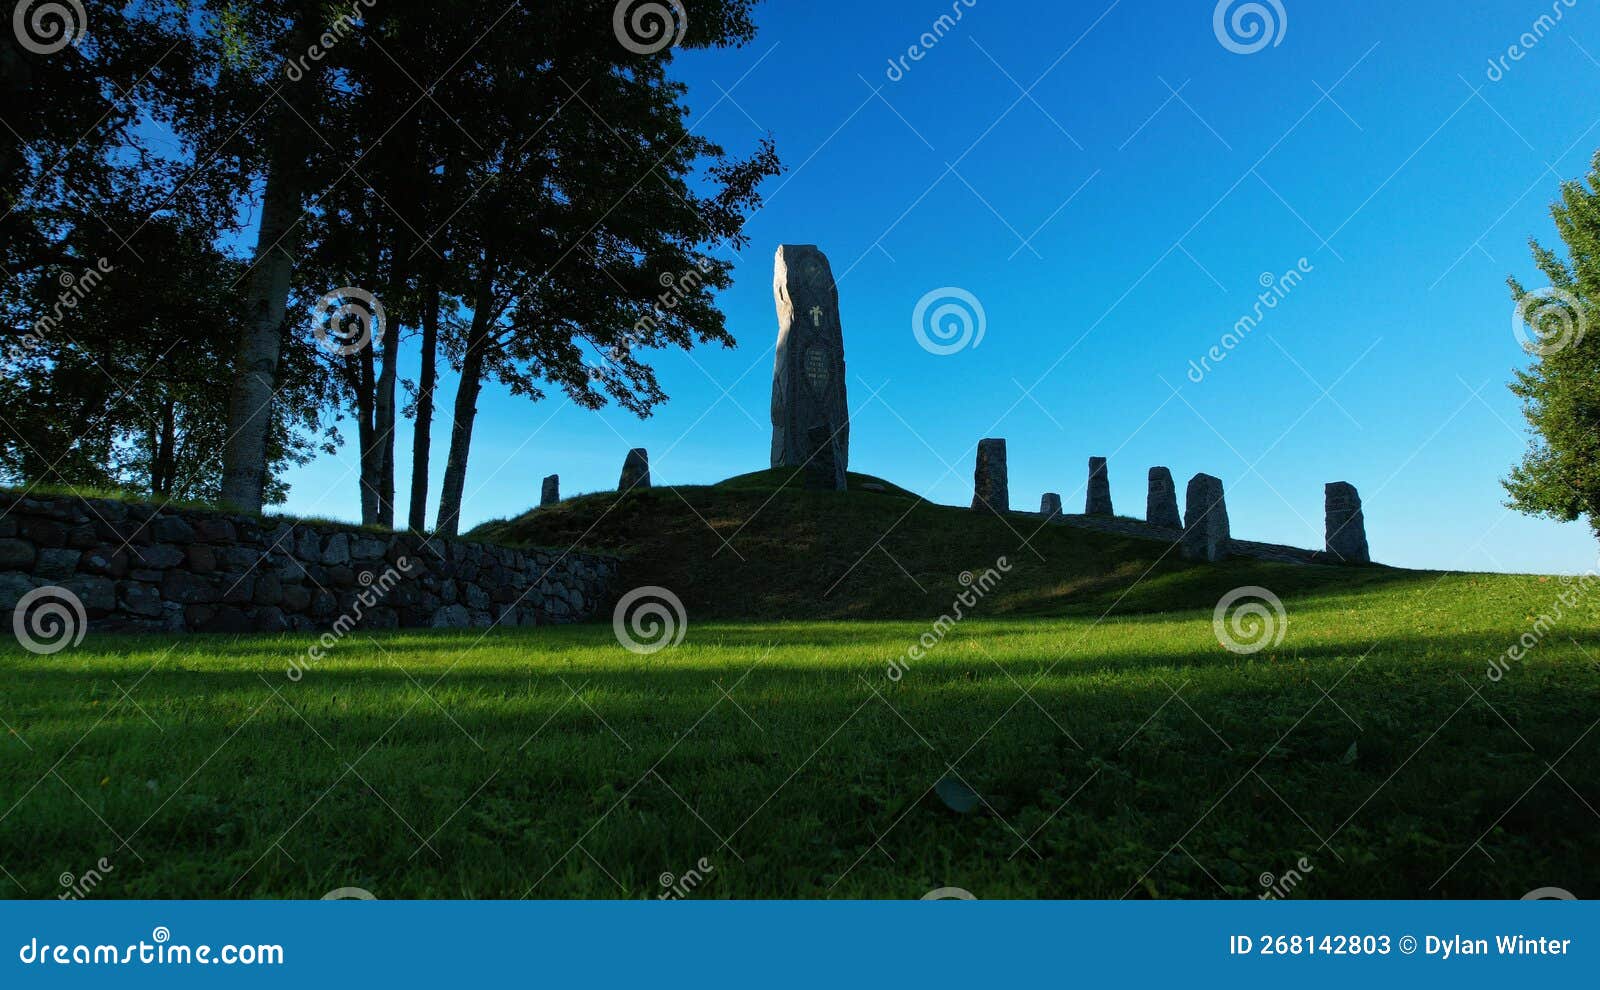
1205 529
1161 506
1345 524
550 492
990 487
1050 505
635 470
1098 502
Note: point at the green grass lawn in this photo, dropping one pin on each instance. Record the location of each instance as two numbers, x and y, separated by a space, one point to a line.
1143 760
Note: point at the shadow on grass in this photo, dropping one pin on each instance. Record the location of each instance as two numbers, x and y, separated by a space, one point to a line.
801 775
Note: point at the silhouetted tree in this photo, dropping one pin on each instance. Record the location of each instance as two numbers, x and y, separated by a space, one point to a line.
582 234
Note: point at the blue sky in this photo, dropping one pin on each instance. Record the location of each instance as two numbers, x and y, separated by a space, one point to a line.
1110 182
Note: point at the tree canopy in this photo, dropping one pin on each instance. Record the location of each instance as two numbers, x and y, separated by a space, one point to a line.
518 189
1559 475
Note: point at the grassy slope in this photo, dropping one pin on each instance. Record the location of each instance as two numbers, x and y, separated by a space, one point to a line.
552 763
757 546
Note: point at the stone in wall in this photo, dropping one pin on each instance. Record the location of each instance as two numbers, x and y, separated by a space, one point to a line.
635 470
1344 524
550 491
990 487
1098 500
1205 523
1050 505
1161 505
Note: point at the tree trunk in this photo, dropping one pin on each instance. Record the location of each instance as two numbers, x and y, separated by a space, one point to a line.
367 460
455 465
255 359
163 463
383 420
422 434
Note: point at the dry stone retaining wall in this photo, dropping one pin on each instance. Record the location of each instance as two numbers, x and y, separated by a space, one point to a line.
140 568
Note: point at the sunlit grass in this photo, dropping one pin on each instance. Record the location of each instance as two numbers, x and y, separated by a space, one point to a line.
1144 758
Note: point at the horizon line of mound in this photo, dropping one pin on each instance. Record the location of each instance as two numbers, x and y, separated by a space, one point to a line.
762 546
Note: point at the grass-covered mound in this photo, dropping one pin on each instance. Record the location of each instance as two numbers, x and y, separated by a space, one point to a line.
760 546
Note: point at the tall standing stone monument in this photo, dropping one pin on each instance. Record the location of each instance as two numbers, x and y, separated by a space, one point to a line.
1161 505
1050 505
1098 501
808 382
990 486
550 491
1345 525
635 470
1205 521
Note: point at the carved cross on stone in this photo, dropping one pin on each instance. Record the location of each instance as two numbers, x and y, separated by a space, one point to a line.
816 316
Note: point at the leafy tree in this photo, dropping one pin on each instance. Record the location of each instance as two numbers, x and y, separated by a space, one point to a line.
272 97
518 185
372 231
1560 391
119 303
73 92
122 390
524 161
583 232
